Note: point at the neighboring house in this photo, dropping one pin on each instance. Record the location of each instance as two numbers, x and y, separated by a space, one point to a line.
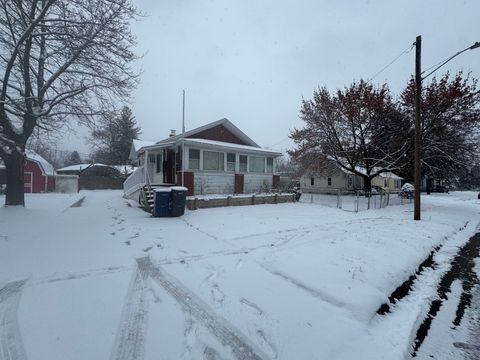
388 181
38 174
218 159
337 178
331 180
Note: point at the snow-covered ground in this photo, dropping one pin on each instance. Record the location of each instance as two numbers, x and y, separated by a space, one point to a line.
103 279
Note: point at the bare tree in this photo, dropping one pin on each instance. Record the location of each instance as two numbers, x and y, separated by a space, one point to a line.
355 129
61 62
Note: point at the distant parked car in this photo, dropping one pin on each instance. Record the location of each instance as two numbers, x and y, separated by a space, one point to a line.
407 191
439 189
377 190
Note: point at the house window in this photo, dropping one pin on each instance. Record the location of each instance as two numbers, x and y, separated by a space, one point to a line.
231 159
151 159
312 181
385 183
269 165
158 163
243 163
350 181
194 159
329 181
213 160
257 164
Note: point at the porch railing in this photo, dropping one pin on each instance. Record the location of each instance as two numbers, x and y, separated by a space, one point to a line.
134 182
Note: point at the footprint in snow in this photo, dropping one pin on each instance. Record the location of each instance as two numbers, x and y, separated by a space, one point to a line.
238 264
217 296
127 242
211 354
147 249
271 349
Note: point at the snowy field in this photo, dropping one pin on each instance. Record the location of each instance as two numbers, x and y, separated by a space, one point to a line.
104 280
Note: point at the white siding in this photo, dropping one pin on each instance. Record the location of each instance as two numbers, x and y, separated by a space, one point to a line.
213 183
223 183
257 182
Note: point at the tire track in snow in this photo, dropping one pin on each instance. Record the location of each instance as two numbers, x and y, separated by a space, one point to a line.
226 333
325 297
11 345
131 334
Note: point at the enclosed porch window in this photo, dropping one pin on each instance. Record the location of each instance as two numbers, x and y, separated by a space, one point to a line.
194 159
213 160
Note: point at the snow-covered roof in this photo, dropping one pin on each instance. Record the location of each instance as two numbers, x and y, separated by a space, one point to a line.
138 144
81 167
224 122
237 147
361 169
46 167
77 167
390 175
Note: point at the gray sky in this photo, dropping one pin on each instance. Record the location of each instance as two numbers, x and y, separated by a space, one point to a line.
253 61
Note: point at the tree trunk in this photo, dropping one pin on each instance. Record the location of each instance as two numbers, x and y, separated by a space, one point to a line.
14 163
429 185
367 185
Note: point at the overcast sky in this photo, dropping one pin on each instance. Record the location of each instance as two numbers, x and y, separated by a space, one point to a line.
253 61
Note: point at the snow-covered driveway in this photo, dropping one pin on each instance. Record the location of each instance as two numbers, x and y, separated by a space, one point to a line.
104 280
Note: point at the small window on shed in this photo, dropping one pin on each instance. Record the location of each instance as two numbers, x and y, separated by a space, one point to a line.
385 183
329 181
231 158
312 181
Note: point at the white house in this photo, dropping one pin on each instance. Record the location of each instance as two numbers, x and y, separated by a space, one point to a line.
337 178
218 158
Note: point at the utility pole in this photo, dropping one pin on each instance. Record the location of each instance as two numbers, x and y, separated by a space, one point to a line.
418 144
183 139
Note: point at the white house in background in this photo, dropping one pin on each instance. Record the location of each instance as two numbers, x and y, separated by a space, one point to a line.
337 178
218 159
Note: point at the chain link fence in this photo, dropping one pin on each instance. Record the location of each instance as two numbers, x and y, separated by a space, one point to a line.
351 201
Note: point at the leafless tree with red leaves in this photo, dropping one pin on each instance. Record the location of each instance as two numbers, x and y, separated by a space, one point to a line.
450 119
354 129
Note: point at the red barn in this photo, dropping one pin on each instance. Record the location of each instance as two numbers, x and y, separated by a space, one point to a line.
39 174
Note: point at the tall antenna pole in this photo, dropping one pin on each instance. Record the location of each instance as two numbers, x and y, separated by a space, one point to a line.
183 140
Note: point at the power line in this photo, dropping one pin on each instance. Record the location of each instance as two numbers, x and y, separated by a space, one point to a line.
406 51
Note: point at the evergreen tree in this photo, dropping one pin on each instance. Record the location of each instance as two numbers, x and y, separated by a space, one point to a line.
114 138
73 158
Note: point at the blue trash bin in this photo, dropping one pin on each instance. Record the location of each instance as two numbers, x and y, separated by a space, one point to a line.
178 196
162 202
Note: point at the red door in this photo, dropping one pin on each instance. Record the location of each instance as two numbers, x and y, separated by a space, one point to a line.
238 189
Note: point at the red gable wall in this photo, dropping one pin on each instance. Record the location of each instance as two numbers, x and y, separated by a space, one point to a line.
218 133
36 179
